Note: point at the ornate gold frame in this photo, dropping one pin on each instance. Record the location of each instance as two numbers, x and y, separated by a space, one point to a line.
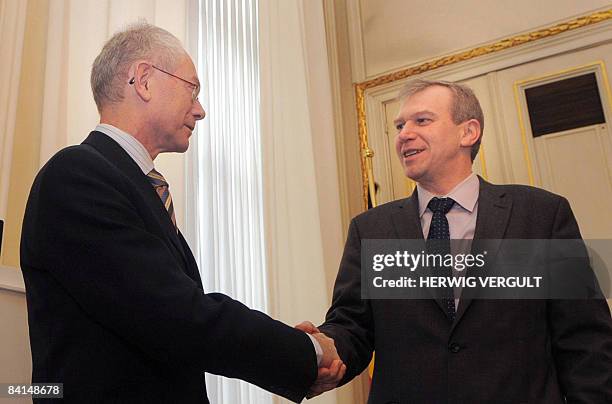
360 88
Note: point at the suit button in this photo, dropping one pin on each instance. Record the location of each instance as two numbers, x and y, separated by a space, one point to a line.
454 347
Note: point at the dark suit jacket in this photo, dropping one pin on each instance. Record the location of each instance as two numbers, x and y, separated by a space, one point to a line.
116 307
496 351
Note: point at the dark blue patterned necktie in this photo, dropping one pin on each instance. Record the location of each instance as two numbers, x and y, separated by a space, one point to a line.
438 242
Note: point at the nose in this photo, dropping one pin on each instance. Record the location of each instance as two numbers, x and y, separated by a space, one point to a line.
405 134
198 111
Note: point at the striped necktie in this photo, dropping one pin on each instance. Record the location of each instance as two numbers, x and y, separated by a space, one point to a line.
162 188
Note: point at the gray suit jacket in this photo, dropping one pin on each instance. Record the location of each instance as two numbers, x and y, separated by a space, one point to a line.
496 351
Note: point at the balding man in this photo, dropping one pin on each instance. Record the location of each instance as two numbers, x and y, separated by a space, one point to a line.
117 311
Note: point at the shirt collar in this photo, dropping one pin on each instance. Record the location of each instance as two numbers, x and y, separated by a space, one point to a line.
465 194
130 144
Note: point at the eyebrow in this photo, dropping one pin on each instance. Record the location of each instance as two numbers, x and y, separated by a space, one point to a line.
399 120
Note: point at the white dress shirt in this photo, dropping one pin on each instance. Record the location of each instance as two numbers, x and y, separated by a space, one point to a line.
130 144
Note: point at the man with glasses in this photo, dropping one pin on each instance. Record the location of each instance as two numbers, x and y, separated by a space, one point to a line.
116 306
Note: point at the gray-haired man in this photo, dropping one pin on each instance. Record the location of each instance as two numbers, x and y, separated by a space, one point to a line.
117 310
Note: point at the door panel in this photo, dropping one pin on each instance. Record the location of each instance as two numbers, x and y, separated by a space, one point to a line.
575 163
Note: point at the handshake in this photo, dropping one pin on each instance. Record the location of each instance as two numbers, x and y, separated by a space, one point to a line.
331 368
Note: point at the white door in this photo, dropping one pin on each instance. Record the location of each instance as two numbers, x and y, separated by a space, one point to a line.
576 162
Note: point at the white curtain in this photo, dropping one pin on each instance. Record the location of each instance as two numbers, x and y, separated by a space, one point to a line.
301 204
12 25
226 170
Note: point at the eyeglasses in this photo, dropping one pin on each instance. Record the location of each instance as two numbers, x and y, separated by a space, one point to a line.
196 87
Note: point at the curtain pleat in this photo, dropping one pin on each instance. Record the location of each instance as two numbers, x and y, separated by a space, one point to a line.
229 208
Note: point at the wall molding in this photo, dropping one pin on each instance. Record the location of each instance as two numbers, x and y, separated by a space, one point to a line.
11 279
334 72
358 63
583 32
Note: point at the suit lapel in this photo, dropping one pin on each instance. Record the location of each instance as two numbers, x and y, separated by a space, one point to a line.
494 207
118 157
405 219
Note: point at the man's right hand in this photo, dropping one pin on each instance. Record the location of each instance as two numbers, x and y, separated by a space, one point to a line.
331 369
330 354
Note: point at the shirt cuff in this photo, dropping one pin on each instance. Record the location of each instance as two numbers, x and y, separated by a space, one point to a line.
318 349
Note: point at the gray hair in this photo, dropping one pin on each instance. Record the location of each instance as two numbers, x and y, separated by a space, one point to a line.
464 105
137 41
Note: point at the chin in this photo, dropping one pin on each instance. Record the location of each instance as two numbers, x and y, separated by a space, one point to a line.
413 173
179 147
183 148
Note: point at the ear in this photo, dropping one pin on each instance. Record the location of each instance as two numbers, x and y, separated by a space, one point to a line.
140 73
471 133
